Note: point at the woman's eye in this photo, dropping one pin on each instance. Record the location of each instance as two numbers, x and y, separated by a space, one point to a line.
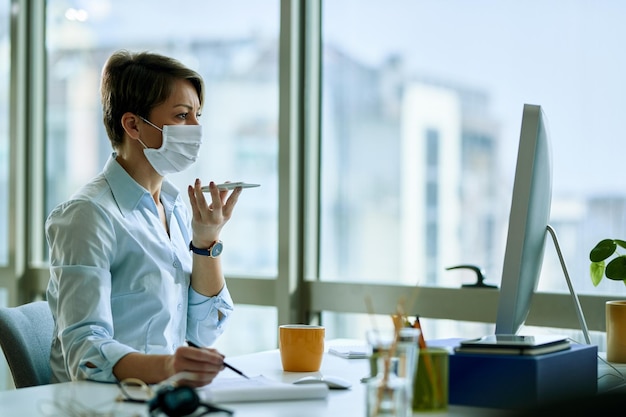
182 116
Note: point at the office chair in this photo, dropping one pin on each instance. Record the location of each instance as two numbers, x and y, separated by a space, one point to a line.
26 338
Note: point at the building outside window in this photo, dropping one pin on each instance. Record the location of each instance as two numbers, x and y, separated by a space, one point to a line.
393 75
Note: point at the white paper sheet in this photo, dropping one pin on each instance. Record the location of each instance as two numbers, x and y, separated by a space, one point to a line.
259 388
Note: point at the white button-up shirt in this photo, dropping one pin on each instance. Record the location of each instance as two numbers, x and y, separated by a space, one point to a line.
118 282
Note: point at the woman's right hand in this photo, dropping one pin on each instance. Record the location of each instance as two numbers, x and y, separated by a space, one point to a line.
203 363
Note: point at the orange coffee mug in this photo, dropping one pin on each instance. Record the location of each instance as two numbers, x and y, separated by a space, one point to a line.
301 347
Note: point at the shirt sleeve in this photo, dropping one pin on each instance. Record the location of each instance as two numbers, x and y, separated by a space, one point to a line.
207 316
82 244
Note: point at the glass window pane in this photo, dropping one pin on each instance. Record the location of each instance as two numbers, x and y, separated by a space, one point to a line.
5 65
250 329
233 45
422 104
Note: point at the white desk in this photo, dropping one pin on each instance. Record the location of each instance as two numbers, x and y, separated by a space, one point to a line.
101 397
611 377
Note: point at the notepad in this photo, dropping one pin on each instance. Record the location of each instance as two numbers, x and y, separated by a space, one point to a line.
259 388
350 351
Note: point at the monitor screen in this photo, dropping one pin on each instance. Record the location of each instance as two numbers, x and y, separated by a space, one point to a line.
528 219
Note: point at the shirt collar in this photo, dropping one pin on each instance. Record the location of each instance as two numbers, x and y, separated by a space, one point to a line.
128 193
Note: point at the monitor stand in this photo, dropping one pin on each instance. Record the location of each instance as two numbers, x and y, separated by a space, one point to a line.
579 311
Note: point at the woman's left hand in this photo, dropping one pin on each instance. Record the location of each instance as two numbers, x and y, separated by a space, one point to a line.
208 219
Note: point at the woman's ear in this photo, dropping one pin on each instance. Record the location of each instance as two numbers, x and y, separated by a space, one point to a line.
130 123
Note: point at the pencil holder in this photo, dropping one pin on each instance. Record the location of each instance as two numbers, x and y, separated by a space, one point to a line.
393 360
388 396
430 388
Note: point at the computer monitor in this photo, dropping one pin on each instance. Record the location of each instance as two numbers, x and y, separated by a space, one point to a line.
528 219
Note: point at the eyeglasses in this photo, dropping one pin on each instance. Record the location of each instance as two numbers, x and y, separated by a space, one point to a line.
168 398
135 391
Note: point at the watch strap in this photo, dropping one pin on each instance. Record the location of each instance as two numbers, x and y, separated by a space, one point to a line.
205 252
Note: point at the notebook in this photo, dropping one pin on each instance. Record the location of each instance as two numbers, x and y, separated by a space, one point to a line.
350 351
259 388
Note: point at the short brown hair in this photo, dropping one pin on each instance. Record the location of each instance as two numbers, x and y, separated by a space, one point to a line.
136 83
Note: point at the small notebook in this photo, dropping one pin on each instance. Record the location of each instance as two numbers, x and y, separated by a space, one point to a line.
350 351
259 388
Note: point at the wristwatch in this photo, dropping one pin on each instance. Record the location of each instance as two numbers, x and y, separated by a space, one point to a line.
214 250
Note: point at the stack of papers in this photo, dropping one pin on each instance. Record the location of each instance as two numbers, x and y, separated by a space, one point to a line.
350 351
259 388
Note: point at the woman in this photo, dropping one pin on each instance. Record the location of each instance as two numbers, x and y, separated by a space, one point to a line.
132 276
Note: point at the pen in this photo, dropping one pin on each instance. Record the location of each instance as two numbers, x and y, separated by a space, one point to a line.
416 325
432 376
232 368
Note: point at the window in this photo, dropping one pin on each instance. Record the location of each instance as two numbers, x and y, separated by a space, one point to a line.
397 209
422 105
5 66
234 46
413 151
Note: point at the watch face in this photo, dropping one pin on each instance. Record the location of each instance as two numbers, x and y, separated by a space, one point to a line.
216 249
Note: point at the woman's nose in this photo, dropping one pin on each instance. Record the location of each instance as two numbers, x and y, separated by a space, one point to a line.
192 120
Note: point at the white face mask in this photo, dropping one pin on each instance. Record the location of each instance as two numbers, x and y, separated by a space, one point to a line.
180 148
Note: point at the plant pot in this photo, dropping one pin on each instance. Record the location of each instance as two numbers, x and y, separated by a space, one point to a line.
616 331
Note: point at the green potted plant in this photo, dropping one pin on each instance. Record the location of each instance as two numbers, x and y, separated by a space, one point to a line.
607 261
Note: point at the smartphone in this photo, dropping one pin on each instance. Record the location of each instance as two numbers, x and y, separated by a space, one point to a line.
231 186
